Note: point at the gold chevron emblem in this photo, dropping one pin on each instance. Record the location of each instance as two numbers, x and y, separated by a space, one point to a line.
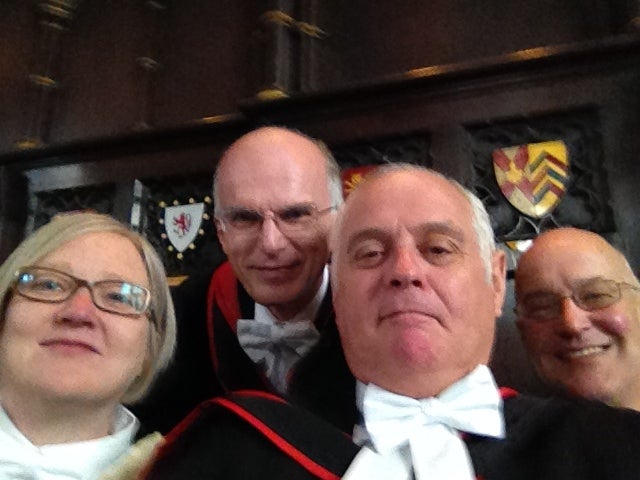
533 177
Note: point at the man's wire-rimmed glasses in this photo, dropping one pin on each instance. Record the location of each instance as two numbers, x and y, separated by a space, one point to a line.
290 220
590 295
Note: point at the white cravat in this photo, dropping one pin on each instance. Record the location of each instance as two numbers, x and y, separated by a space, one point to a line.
19 458
423 434
276 346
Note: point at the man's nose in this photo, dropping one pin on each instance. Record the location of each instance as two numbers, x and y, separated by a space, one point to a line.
406 268
271 237
573 319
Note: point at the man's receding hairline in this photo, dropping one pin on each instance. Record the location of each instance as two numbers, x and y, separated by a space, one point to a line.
276 133
379 176
320 160
586 240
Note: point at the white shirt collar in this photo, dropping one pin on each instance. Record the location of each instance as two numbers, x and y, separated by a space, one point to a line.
405 437
19 458
261 337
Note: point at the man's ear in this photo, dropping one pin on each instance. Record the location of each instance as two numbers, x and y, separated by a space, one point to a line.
498 280
220 232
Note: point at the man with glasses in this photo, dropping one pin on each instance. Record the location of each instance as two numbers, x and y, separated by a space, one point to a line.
417 284
578 307
256 321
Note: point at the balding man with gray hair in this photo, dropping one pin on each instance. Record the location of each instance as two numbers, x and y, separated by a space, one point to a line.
578 306
417 285
254 321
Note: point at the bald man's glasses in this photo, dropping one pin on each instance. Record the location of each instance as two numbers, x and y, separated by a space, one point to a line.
589 296
290 220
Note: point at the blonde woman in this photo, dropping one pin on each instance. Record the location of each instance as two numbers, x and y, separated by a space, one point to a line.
86 323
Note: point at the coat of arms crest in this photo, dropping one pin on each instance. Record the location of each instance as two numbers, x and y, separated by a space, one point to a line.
182 224
533 177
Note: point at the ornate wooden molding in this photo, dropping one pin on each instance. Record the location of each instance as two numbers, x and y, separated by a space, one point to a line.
281 49
55 17
148 65
616 54
280 18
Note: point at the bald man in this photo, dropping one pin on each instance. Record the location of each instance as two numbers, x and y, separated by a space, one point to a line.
256 320
578 306
417 285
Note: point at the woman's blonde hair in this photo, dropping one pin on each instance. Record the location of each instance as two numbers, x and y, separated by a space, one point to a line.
66 227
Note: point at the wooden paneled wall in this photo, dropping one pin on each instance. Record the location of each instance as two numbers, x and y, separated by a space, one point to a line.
118 105
77 69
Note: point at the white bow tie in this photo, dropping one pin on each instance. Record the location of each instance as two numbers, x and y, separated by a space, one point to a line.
276 346
260 335
429 426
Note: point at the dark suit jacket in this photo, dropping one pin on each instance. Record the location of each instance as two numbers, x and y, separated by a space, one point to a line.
252 435
247 436
209 360
560 439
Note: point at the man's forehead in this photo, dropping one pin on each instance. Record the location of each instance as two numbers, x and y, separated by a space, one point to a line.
410 184
418 203
272 183
565 267
274 148
279 164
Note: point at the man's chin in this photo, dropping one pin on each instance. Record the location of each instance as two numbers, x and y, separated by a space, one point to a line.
413 347
589 387
274 277
275 295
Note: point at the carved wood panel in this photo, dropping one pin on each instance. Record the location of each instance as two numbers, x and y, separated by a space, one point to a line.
585 204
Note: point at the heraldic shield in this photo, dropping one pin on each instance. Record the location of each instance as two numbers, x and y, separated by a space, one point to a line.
533 177
181 223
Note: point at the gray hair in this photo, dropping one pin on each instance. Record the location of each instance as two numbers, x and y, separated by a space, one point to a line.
480 219
64 228
334 180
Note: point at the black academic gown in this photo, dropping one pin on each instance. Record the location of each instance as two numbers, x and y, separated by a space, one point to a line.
250 435
209 360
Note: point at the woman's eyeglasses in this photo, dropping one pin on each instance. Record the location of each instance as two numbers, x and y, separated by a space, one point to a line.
53 286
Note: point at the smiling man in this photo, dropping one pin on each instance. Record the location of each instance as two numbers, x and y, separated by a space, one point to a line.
275 193
578 305
253 322
417 284
273 212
